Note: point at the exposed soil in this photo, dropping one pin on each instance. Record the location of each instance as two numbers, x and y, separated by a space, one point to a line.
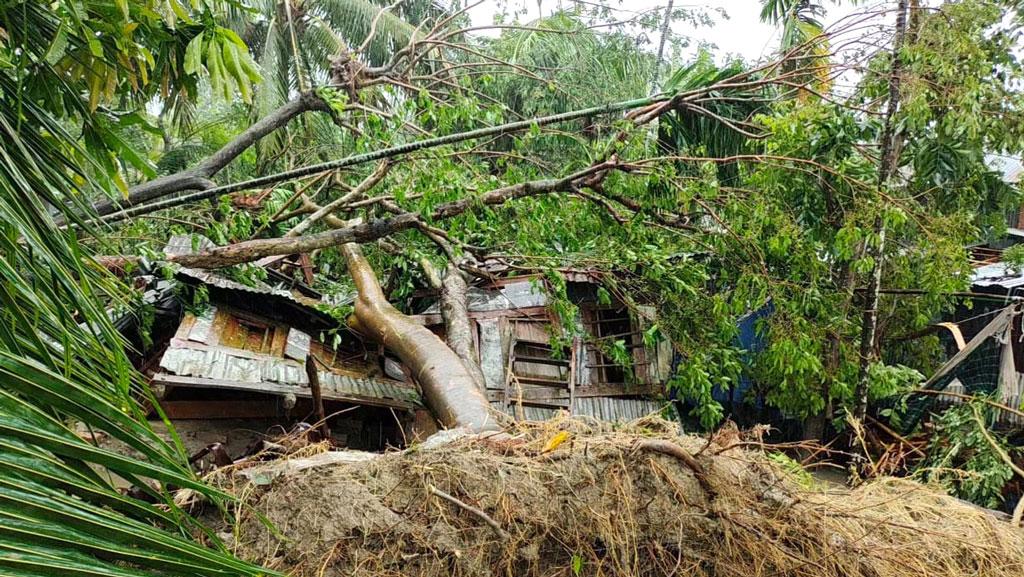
639 501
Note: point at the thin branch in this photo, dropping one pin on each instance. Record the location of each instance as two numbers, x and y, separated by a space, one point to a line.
357 193
479 513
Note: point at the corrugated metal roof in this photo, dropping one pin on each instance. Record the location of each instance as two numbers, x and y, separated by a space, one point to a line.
601 408
213 279
220 364
515 295
189 244
997 274
1010 166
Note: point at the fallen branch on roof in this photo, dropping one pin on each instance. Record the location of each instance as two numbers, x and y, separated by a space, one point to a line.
251 250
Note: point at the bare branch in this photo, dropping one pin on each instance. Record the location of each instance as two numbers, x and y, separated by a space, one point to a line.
357 193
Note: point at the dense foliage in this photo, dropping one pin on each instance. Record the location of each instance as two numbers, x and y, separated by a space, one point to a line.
775 182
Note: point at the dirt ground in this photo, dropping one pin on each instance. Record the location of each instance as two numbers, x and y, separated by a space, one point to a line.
574 498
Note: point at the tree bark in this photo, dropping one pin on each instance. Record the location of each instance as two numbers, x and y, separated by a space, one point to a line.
453 304
450 391
887 165
666 26
458 329
198 177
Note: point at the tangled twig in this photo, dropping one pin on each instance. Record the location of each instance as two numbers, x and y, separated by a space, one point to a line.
483 516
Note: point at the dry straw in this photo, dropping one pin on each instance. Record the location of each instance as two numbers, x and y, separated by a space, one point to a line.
640 500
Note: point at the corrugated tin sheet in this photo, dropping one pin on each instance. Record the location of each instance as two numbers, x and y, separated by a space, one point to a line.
996 274
212 279
203 325
492 356
602 408
188 244
1010 167
297 346
516 295
220 364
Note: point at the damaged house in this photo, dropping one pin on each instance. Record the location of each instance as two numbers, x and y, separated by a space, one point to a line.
606 371
239 357
244 353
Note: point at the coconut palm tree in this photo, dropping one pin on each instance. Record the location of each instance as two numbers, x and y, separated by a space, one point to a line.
803 40
296 43
63 370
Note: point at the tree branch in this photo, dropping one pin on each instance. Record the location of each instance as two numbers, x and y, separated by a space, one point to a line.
356 193
198 177
478 512
369 231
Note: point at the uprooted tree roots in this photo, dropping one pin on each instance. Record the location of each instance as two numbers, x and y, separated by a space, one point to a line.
637 502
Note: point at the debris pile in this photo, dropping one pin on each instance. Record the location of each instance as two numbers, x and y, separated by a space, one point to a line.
568 497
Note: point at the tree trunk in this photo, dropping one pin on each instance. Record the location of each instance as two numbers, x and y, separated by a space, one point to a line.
449 389
887 165
458 329
666 26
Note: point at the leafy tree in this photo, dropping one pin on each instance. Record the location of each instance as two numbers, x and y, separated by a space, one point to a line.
746 195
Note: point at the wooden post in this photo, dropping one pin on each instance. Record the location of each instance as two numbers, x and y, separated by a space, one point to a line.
307 268
318 401
574 358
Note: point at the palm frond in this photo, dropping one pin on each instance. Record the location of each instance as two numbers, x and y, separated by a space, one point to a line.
62 364
690 131
353 20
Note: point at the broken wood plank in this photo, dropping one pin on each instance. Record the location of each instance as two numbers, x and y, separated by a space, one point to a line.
551 393
559 383
543 361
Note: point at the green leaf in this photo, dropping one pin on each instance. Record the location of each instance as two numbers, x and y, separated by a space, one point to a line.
193 55
577 564
123 6
95 47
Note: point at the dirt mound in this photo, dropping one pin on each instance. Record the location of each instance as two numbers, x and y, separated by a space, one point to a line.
641 501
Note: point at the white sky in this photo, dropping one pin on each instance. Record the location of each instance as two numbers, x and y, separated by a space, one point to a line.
742 33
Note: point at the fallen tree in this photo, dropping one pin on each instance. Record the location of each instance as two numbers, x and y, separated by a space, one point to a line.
363 232
643 501
449 388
